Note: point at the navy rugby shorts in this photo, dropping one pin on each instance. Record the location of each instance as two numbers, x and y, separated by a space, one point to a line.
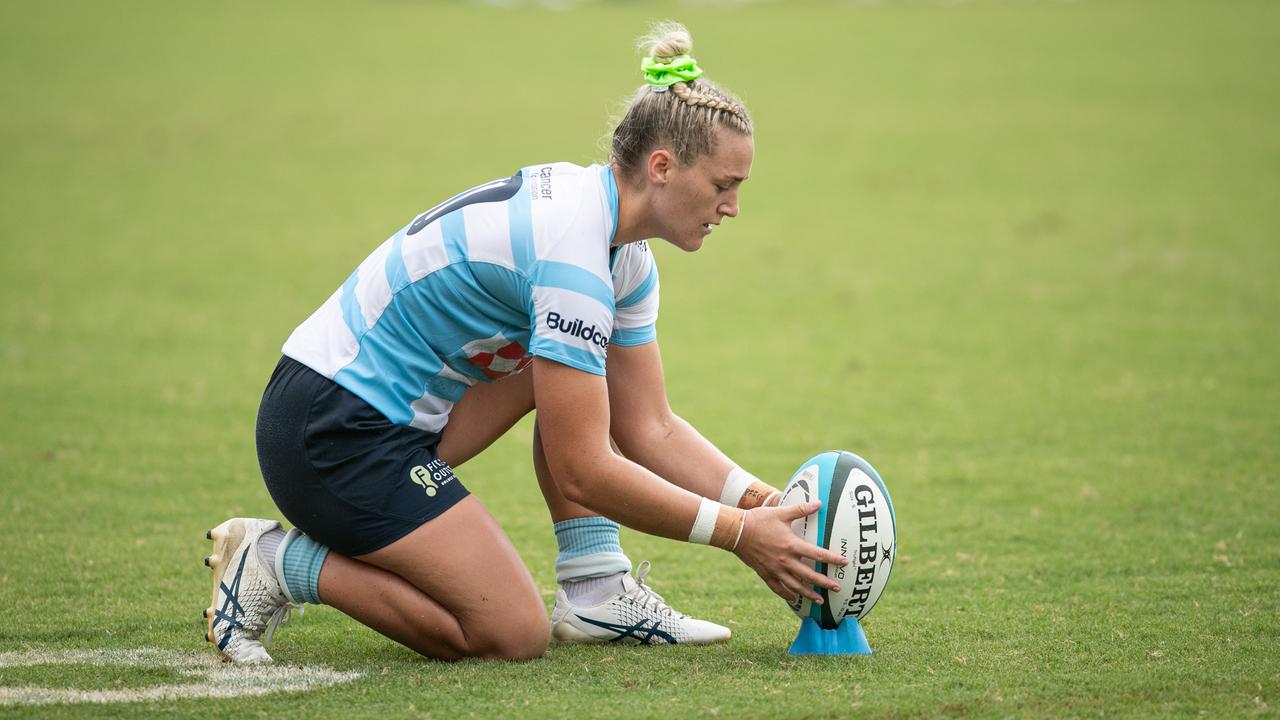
342 472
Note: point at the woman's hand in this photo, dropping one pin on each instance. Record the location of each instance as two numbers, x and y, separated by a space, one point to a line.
779 557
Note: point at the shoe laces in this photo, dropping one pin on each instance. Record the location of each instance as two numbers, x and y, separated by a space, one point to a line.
645 597
281 616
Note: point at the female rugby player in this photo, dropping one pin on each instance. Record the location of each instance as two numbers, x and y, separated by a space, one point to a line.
509 297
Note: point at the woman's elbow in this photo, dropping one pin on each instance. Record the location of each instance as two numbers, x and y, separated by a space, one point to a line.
575 492
574 477
634 439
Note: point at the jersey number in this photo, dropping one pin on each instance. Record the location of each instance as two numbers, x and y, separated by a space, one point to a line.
495 191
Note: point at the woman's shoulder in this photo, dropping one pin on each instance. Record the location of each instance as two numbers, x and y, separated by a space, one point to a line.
571 206
560 181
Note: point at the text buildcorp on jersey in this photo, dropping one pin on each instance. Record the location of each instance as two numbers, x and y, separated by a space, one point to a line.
577 328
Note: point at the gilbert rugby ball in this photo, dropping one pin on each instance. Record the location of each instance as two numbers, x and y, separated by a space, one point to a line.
856 521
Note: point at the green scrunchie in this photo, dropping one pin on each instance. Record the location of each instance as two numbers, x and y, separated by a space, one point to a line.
664 75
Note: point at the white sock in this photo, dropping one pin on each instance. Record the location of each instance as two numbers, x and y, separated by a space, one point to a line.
592 590
268 544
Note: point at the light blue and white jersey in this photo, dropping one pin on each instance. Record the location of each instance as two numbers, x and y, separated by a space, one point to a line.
472 289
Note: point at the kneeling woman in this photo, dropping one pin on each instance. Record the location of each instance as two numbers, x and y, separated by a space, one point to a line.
507 297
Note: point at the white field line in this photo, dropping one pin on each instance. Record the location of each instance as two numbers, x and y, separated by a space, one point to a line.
211 678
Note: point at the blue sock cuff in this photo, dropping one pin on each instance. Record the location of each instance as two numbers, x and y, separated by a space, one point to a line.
586 536
589 547
303 558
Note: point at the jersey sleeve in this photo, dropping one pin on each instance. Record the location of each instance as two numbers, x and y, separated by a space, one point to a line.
571 317
635 284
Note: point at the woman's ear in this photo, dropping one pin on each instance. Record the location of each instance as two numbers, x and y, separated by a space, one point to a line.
659 167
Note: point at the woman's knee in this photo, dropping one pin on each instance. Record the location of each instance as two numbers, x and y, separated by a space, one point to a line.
526 646
510 639
471 596
520 634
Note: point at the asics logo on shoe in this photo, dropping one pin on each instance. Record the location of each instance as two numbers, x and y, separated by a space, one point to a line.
231 602
634 631
577 328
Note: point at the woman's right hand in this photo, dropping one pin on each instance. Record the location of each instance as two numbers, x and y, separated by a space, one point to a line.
780 557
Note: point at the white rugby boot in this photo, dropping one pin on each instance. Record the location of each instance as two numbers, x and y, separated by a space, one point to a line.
635 616
247 597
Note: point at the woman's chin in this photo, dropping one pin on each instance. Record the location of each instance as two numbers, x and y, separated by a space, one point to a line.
687 244
691 243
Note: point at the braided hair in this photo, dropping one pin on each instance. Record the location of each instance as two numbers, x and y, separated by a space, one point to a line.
684 118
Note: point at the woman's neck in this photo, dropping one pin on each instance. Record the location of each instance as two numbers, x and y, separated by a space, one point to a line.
634 221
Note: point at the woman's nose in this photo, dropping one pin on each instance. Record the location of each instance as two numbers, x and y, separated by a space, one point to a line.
729 208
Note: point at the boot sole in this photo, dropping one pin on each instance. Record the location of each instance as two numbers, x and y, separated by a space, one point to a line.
226 538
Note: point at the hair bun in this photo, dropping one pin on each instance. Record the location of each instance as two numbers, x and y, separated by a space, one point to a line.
666 40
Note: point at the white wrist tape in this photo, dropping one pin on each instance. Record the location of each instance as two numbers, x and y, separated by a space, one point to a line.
705 523
735 485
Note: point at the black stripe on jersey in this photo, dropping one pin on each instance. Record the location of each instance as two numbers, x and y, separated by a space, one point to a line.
495 191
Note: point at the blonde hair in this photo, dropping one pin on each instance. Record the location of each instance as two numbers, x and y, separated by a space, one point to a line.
684 118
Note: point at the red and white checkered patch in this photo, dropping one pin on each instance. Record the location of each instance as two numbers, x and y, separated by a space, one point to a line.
497 356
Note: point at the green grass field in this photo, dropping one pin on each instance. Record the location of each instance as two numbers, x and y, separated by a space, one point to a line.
1021 255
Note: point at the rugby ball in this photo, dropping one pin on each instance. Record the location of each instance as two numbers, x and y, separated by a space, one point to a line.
856 521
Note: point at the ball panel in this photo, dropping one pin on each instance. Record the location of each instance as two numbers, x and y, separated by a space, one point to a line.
802 488
835 538
865 535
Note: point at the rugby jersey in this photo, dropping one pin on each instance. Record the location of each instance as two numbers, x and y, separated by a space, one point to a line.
472 289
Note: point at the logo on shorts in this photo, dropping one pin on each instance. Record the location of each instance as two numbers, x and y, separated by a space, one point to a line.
431 476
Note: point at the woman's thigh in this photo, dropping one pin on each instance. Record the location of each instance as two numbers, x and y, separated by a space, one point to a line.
341 471
463 561
417 558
